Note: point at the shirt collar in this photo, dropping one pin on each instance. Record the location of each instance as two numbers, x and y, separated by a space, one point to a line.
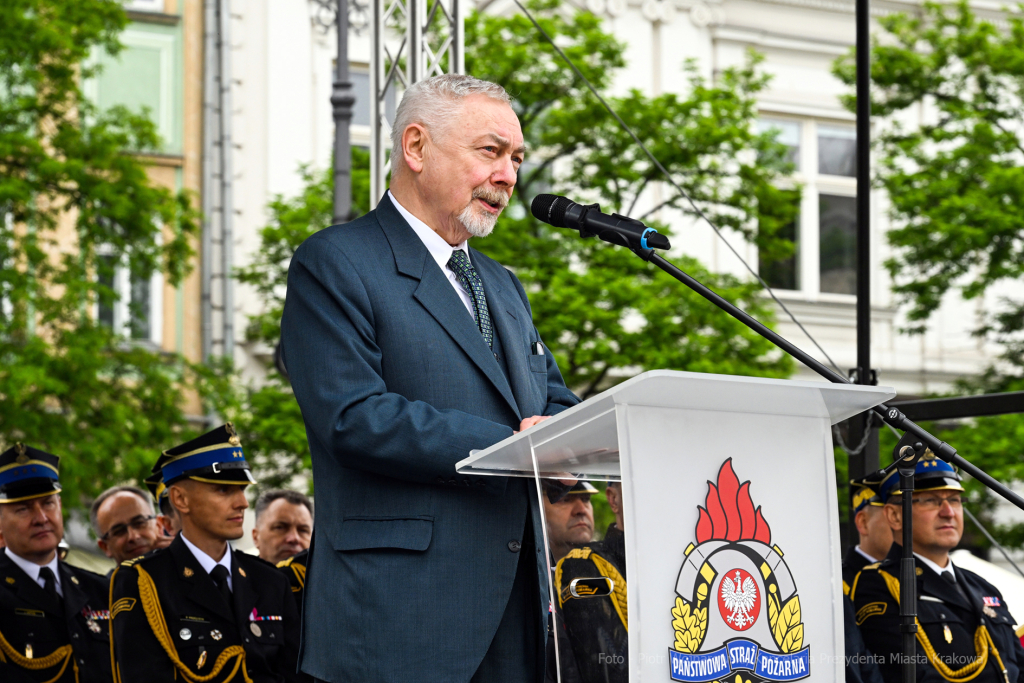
31 568
205 561
936 568
439 250
863 554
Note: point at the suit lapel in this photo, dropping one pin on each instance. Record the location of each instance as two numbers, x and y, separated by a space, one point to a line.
198 585
27 589
933 584
75 599
436 294
507 326
242 592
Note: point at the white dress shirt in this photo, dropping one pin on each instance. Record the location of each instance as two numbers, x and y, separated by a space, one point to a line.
32 569
440 250
936 568
207 562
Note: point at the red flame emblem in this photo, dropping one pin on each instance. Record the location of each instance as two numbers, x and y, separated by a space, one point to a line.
729 513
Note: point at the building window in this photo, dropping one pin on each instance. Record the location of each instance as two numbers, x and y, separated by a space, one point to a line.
825 233
137 311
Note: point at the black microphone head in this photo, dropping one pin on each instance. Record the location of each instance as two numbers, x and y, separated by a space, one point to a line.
550 208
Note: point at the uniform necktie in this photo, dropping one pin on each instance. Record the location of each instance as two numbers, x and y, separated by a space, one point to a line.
951 580
471 282
49 582
220 577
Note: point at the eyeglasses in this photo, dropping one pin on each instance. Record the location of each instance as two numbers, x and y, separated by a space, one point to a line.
933 503
120 530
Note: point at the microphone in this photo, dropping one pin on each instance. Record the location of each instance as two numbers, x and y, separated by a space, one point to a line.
590 221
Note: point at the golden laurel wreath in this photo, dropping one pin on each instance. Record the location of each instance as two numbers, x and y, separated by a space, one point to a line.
690 622
787 629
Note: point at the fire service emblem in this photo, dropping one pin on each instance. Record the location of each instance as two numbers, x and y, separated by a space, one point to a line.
737 613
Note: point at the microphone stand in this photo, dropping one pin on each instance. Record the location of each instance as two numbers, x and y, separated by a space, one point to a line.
911 447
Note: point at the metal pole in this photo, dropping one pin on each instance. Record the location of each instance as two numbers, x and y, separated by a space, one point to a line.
342 101
867 459
226 178
210 98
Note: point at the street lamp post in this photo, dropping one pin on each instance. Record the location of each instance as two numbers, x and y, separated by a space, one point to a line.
334 14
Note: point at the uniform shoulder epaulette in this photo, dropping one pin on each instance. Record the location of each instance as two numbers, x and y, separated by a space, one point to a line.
285 563
875 565
129 563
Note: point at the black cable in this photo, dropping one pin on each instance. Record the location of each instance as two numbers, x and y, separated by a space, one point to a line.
992 540
679 189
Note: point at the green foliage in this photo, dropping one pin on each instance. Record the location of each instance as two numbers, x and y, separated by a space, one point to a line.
956 187
69 186
955 182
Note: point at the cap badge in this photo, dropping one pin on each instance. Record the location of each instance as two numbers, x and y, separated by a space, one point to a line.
188 573
233 435
20 448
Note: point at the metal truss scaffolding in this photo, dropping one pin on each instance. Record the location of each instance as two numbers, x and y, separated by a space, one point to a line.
409 40
218 337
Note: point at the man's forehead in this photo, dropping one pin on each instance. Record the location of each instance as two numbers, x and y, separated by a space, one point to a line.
486 116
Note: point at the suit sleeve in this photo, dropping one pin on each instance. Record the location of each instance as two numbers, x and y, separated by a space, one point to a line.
559 397
335 368
137 655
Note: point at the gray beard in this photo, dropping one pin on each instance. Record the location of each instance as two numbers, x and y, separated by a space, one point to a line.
476 224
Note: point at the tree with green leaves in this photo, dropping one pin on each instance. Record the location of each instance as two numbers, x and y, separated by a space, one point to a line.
604 313
955 182
76 203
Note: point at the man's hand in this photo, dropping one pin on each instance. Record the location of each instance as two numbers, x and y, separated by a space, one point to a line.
536 419
530 421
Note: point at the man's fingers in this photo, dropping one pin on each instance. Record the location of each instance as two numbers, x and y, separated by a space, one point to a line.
531 421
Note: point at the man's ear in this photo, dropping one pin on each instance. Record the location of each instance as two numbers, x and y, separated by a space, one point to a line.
105 548
894 517
414 146
256 537
178 495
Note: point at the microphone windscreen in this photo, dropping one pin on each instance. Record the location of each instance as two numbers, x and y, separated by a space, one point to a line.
550 208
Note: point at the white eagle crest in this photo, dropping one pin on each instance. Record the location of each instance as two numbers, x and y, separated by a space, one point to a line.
739 599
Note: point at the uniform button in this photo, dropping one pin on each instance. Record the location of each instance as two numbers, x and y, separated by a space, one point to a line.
514 546
247 640
75 636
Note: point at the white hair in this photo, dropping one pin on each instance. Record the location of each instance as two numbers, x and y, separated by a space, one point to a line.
434 102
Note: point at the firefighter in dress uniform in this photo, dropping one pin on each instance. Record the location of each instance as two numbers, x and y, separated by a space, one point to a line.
965 631
874 534
596 625
198 611
294 569
53 616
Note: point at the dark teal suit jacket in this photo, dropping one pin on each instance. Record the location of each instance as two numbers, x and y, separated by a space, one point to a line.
412 563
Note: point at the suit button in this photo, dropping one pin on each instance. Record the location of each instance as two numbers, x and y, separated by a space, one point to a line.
514 546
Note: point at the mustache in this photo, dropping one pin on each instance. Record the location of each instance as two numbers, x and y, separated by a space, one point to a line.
491 196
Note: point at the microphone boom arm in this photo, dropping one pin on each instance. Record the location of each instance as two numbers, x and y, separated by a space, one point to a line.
890 415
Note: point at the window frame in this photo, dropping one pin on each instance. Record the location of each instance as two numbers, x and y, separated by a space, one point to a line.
814 184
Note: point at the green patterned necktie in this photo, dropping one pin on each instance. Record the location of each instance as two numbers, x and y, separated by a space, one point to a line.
471 282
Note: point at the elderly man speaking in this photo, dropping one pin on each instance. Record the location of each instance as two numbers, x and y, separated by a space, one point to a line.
406 350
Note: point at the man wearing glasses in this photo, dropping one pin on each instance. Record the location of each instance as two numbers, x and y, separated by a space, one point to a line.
125 525
965 631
